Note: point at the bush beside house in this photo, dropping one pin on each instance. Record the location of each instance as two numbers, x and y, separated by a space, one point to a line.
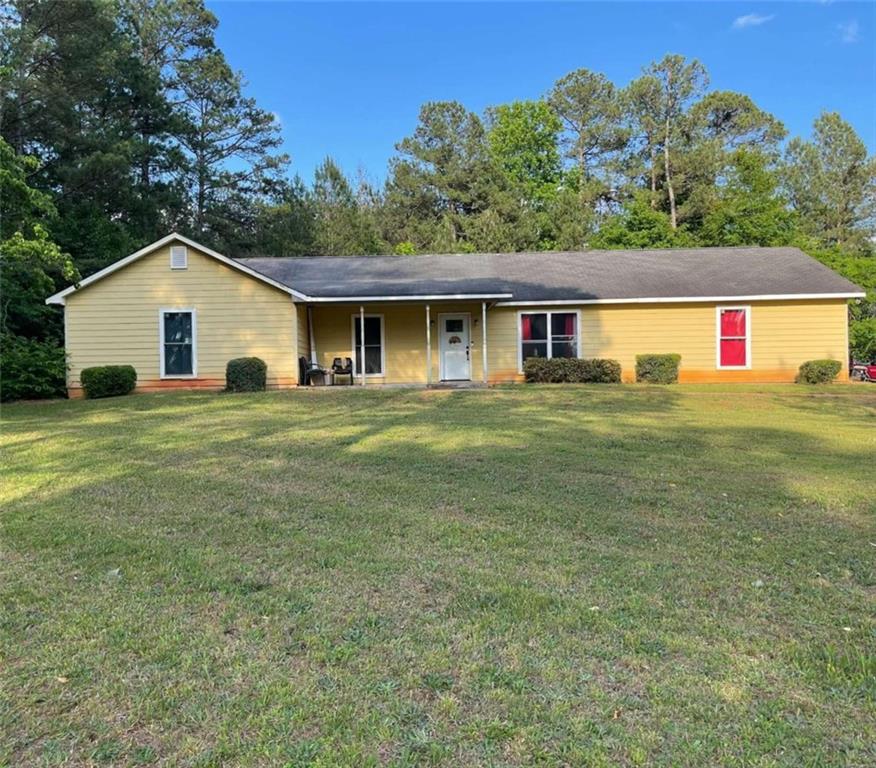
246 374
819 371
571 370
658 369
108 380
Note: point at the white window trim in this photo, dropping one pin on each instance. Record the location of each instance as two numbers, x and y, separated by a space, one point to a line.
354 319
718 310
161 313
547 312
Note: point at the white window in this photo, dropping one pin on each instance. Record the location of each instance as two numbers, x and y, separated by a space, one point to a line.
548 334
375 347
733 337
179 257
177 338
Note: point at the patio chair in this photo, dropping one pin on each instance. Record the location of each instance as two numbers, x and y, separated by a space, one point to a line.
307 371
342 368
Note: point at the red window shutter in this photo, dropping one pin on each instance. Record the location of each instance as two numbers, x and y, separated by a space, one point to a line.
733 352
733 322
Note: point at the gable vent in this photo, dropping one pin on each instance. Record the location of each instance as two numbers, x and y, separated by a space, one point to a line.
179 257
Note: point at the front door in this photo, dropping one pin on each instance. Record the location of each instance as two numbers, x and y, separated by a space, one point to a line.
455 348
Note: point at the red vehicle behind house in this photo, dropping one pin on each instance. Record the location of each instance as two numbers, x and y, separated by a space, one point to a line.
864 371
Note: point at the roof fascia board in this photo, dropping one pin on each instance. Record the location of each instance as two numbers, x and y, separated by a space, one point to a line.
684 299
422 297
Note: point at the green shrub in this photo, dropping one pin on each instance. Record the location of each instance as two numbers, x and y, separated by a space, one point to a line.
818 371
31 369
246 374
571 370
108 380
658 369
862 339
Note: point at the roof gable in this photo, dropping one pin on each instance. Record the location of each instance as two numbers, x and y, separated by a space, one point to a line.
60 296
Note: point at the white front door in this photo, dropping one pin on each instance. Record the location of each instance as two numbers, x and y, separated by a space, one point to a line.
455 348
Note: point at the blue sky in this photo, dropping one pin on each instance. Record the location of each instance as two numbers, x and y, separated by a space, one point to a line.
347 80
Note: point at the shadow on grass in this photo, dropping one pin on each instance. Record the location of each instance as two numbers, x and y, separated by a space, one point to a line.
384 530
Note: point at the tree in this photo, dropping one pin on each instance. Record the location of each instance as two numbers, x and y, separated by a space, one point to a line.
285 224
31 268
748 211
640 226
32 265
229 141
831 183
681 82
523 142
341 227
590 108
443 175
641 101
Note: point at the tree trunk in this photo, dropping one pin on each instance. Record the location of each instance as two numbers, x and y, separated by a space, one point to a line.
653 153
673 218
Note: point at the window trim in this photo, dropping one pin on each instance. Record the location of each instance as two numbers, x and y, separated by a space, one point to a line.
718 310
194 313
354 319
549 313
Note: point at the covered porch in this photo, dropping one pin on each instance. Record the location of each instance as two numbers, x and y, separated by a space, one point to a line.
426 343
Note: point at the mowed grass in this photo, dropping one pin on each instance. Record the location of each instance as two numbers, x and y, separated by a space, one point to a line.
581 576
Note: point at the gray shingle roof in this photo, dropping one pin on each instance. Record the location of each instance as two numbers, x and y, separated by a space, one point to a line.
556 276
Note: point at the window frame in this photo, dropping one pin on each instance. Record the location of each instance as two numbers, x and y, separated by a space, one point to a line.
549 313
718 337
166 311
354 320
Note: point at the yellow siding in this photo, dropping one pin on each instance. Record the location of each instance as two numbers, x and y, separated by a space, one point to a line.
115 321
404 328
784 334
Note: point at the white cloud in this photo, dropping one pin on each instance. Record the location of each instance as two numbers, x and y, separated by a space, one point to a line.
849 31
751 20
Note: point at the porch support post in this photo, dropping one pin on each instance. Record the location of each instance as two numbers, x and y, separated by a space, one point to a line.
310 335
362 343
484 343
428 348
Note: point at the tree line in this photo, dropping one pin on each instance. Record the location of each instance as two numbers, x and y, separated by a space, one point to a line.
122 121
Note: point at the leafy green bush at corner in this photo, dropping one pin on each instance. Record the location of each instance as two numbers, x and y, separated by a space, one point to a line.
31 369
862 339
108 380
658 369
818 371
246 374
571 370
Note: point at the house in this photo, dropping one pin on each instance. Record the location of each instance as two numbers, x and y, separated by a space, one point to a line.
178 311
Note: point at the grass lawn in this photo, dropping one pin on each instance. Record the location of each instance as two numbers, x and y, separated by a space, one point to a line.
579 576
